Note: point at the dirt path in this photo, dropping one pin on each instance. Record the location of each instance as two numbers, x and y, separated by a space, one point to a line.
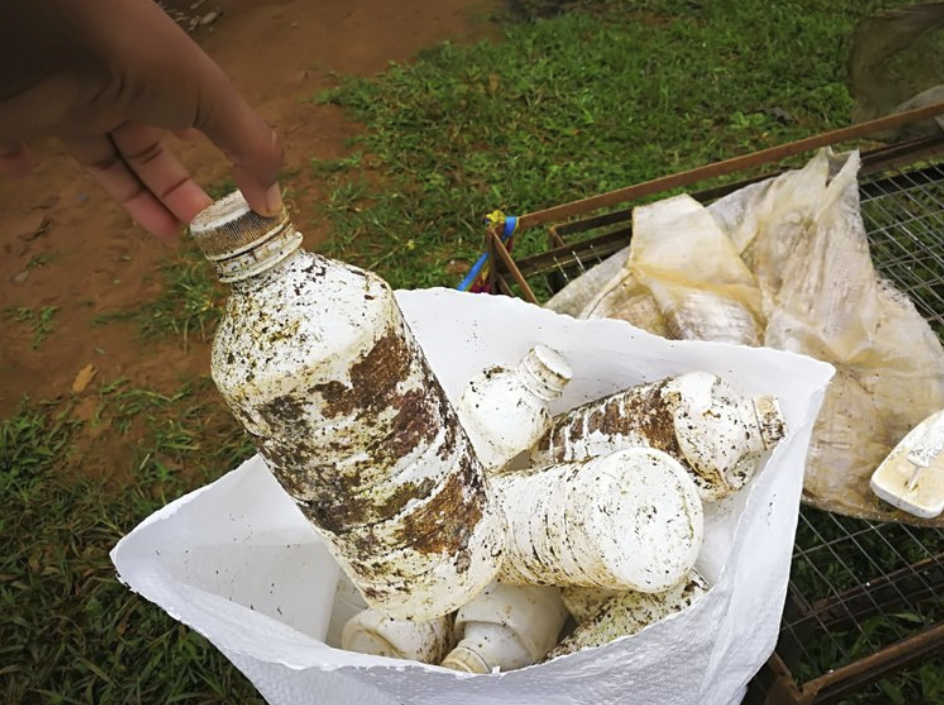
65 245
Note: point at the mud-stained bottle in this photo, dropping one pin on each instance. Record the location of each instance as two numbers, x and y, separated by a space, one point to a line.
716 433
315 360
629 613
505 410
631 520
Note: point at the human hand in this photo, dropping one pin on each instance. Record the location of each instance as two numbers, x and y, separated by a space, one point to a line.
111 77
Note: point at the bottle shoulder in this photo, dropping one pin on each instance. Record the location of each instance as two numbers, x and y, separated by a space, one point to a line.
310 311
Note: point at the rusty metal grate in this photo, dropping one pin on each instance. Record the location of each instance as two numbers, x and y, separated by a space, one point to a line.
866 599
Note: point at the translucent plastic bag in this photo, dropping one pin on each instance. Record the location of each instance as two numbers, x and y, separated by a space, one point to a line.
804 237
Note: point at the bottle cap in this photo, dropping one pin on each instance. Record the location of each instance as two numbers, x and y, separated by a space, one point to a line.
466 660
239 241
548 369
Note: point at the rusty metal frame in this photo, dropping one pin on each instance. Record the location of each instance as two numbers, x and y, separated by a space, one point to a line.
775 684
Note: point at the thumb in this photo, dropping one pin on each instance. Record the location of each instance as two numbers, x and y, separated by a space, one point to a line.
253 147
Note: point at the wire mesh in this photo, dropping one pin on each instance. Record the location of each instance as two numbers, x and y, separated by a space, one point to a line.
857 588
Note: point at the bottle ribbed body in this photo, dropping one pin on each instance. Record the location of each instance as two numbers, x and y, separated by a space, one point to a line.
631 520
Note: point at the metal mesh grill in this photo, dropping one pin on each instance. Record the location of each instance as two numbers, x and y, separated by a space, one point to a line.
858 589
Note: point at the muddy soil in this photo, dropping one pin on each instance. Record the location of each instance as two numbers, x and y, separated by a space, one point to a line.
64 244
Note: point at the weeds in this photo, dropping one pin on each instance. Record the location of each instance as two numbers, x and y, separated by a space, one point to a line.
190 304
613 93
40 321
70 632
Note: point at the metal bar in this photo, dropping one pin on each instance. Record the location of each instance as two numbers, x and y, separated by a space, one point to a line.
728 166
490 239
555 236
503 255
773 685
572 254
836 684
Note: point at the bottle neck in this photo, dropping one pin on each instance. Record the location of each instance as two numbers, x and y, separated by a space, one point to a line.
535 379
261 257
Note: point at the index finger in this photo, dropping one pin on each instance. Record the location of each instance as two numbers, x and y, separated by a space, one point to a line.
253 147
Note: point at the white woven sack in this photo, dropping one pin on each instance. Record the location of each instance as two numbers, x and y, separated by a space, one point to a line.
237 562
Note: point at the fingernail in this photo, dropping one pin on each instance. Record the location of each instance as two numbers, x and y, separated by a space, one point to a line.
273 200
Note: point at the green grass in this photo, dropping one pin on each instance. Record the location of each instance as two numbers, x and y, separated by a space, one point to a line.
41 321
69 632
572 106
189 305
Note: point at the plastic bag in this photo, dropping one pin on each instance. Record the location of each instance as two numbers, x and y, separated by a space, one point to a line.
238 562
804 237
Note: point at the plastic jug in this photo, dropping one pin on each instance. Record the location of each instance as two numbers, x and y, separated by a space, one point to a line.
370 632
507 627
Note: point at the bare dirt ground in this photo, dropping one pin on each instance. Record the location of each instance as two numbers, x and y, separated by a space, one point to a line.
65 244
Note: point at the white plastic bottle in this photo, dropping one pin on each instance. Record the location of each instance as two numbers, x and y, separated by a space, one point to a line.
370 632
631 520
583 603
315 360
507 627
697 418
629 613
911 478
505 410
348 602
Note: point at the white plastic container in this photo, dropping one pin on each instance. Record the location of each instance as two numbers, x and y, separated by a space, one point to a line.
631 612
697 418
631 520
348 602
911 478
506 627
505 411
369 632
314 358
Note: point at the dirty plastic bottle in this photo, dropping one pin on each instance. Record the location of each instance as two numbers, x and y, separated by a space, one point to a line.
315 360
584 603
370 632
348 602
631 520
697 418
911 478
629 613
507 627
505 411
